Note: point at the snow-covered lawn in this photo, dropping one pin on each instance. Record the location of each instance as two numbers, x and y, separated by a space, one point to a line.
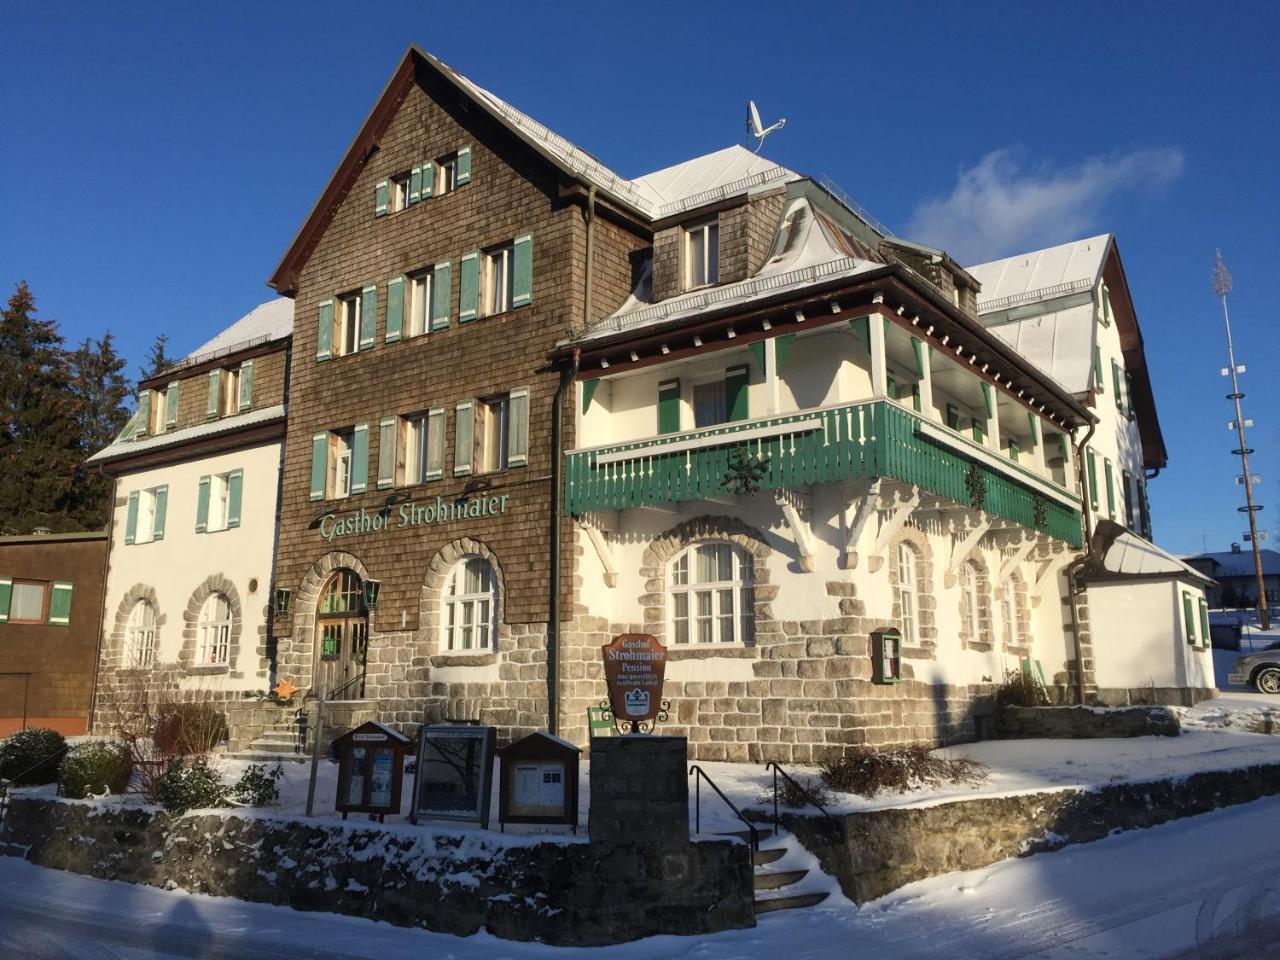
1137 896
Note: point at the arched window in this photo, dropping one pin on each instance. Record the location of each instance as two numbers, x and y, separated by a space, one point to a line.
342 633
213 633
971 600
140 636
712 595
908 597
471 606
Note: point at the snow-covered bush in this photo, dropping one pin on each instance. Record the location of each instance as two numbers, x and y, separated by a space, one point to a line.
867 771
258 787
1021 690
188 784
94 768
800 791
31 756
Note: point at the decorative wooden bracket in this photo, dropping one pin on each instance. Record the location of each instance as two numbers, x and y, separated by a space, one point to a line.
857 512
600 540
965 546
1021 550
1052 566
795 510
899 512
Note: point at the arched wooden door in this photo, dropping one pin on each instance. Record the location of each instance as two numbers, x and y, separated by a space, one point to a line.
342 633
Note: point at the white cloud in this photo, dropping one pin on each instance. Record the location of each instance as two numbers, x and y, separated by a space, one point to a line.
998 208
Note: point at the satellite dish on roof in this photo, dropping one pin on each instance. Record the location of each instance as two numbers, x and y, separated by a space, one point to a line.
756 129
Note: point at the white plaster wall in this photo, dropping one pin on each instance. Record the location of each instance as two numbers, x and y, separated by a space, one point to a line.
177 565
1139 639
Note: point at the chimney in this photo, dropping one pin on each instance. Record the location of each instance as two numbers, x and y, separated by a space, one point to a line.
1235 548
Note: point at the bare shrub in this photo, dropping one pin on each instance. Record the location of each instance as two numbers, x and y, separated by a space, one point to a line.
867 771
188 729
1021 690
804 792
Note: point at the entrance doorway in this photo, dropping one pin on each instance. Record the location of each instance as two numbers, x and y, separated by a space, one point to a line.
342 634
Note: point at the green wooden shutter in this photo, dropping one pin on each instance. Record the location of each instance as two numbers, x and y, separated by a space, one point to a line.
861 327
463 437
381 198
131 519
756 349
1092 464
464 166
891 385
1111 488
395 309
953 417
202 504
1126 481
1144 509
518 428
1033 424
1014 450
1115 385
435 444
60 604
428 178
989 399
387 452
368 316
441 279
144 413
360 458
589 388
324 331
214 394
736 403
415 185
1128 395
979 431
6 595
1205 636
917 349
319 465
161 505
522 277
235 489
171 405
669 406
1097 368
1187 618
469 286
245 400
782 347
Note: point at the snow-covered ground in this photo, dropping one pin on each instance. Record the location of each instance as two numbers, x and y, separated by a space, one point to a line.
1136 896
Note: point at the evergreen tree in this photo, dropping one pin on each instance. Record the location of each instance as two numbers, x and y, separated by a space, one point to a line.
157 359
101 391
40 444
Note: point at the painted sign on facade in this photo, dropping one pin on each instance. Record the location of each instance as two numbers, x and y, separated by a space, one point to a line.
634 667
415 513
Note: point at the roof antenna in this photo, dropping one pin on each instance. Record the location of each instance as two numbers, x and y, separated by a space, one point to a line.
756 129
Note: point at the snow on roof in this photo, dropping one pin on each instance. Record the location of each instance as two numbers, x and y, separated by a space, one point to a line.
272 320
1131 555
120 448
1059 342
1041 274
708 178
1232 564
804 252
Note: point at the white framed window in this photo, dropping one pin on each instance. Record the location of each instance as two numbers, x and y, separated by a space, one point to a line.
1009 614
470 606
229 401
219 502
340 462
422 446
418 303
907 593
159 408
712 595
493 424
146 528
346 325
446 179
400 193
702 254
213 633
27 601
971 600
499 280
140 636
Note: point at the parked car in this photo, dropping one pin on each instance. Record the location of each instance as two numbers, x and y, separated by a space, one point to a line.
1261 669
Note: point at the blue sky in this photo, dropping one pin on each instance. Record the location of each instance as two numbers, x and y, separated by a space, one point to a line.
158 158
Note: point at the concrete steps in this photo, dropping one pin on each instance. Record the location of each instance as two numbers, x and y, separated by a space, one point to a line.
777 886
792 902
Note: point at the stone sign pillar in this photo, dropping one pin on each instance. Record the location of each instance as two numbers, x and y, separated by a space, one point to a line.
639 790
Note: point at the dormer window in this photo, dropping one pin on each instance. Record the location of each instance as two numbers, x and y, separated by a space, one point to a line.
702 255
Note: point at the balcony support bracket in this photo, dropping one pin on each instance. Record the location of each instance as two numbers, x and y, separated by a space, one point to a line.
600 540
795 511
972 534
900 512
1051 565
857 512
1021 550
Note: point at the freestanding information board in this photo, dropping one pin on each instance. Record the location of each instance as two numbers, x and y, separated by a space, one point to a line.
455 773
539 782
370 769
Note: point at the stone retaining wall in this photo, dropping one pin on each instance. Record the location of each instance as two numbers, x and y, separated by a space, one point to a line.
568 893
874 852
1080 723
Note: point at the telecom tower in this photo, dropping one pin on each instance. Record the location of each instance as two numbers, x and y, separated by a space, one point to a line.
1222 287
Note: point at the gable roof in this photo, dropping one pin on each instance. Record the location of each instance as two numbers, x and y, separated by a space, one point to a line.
1228 563
663 193
1041 274
272 320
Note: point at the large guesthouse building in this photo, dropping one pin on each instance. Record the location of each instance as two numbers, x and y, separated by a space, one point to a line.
849 483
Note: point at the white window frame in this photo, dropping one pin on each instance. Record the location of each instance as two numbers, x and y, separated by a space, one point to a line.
140 637
740 589
213 632
492 432
908 596
414 436
499 279
469 620
702 268
418 303
346 325
400 193
159 411
340 462
144 530
42 615
1009 613
219 502
446 176
229 398
971 608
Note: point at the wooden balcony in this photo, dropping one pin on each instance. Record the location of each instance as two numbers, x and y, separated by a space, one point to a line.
827 445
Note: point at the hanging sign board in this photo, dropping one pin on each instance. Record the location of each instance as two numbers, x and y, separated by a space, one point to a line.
634 667
455 773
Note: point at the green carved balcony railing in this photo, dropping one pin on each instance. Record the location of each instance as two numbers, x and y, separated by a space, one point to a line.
826 445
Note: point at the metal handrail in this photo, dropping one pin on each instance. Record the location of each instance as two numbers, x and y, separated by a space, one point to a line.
697 805
804 792
332 695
